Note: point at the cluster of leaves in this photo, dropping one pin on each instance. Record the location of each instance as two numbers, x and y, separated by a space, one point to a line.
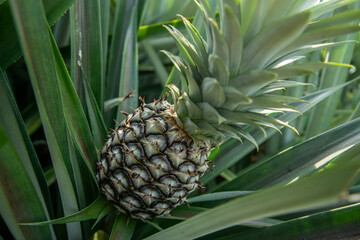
53 120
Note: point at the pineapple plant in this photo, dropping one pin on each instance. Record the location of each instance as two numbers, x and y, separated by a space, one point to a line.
241 72
156 156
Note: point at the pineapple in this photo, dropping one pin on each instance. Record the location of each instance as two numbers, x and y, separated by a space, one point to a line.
158 153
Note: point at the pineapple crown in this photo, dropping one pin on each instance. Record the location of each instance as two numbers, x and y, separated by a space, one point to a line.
231 76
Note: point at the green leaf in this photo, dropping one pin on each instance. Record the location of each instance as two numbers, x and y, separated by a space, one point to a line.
218 196
20 199
335 20
250 82
332 181
159 68
332 77
74 114
212 92
153 30
14 126
198 41
129 66
237 151
87 46
98 127
297 160
271 40
122 29
90 212
210 114
328 6
220 45
123 228
232 32
304 69
36 43
9 45
218 69
340 222
234 98
318 35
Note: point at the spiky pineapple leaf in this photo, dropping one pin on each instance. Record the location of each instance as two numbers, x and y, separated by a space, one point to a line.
10 49
233 154
304 158
97 122
317 35
87 47
218 196
90 212
331 77
299 195
29 17
197 39
123 228
122 33
328 6
234 98
340 222
250 82
129 66
13 124
233 35
335 20
296 70
298 54
218 69
212 92
20 197
273 39
73 112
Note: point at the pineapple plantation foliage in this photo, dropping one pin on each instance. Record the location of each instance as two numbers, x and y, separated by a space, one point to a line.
255 132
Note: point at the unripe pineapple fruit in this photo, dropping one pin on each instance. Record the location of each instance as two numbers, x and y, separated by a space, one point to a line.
149 165
231 78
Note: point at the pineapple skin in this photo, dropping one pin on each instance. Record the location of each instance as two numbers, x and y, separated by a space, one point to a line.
149 165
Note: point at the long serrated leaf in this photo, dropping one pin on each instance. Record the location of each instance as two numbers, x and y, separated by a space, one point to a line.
36 44
20 199
96 119
304 69
212 92
74 114
14 125
9 45
250 82
220 45
272 40
332 77
337 19
341 223
318 35
87 47
90 212
123 228
156 61
129 66
123 16
210 114
218 69
297 160
233 35
300 195
198 41
238 151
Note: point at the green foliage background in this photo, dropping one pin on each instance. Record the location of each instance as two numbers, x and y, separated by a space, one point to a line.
80 58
